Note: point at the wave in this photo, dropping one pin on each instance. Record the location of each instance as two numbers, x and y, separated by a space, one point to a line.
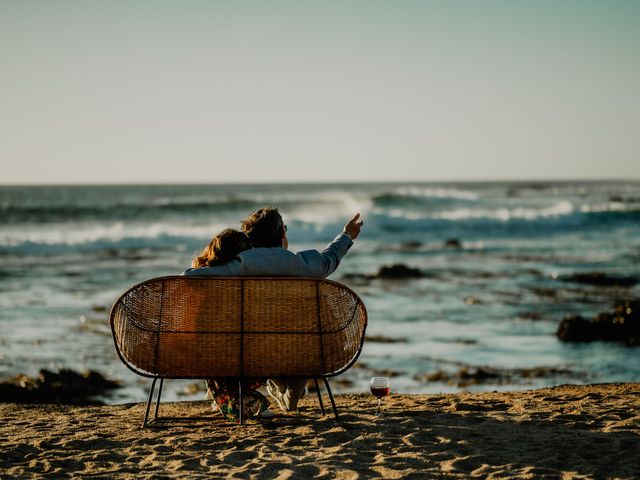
84 237
559 209
612 207
56 213
90 220
501 214
298 205
433 192
98 237
414 196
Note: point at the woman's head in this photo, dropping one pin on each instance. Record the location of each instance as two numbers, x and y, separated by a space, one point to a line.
222 248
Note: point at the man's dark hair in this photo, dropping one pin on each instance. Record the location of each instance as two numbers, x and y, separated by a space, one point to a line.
264 227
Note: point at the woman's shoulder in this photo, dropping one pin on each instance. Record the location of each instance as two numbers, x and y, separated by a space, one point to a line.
228 269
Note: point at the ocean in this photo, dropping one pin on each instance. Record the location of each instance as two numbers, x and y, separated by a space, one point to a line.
498 264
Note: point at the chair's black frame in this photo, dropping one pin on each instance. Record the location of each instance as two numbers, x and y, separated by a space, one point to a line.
156 415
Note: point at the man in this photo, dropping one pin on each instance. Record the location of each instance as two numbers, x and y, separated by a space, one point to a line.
270 257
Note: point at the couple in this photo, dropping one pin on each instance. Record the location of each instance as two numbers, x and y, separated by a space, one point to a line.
260 249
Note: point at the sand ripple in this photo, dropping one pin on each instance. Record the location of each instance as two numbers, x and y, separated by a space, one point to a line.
565 432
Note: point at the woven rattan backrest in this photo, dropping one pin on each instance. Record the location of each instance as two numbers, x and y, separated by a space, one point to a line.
197 327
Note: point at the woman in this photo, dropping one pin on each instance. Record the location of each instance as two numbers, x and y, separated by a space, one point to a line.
223 248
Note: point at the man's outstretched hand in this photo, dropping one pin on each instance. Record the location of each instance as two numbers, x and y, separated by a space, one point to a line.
353 226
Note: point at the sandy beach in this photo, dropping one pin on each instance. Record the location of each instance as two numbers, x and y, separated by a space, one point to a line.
563 432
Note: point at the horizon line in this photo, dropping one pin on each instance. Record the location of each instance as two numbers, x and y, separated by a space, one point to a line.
325 182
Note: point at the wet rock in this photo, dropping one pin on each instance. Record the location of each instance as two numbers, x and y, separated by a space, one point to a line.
601 279
453 243
65 386
387 372
342 382
356 277
530 316
545 292
621 199
404 247
398 271
464 341
410 246
621 325
383 339
437 376
478 375
575 328
193 389
470 375
337 382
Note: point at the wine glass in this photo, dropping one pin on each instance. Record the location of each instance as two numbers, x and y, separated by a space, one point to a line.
380 388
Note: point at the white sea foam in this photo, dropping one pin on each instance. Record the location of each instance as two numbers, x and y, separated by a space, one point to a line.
329 208
62 234
434 192
503 214
187 200
607 207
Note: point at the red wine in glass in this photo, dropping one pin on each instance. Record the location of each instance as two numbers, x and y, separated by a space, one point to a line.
379 388
380 391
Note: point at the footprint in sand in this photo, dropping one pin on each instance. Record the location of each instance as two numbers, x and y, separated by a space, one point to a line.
237 457
460 464
480 407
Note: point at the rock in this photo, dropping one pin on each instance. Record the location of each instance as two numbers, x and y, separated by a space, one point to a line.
355 277
471 375
193 389
437 376
478 375
383 339
530 316
387 372
453 243
575 328
545 292
410 246
601 279
398 271
622 325
66 386
464 341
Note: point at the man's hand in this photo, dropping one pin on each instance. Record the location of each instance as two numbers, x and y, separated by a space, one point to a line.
353 226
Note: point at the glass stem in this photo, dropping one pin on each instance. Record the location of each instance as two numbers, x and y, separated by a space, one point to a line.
379 400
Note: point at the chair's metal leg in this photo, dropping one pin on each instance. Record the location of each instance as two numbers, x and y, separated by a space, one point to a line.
333 403
315 380
240 401
146 415
158 401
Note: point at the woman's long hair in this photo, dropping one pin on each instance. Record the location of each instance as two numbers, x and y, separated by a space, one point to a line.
222 248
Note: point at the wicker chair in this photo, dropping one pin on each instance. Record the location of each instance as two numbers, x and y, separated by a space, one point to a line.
238 327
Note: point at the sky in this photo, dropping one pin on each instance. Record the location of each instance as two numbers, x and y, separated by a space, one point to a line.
130 91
